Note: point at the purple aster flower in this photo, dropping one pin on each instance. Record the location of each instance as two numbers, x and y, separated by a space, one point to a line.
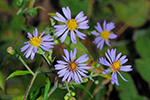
31 47
70 25
71 68
104 34
115 63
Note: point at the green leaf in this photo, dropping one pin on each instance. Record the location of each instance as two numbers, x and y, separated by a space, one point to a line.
2 81
47 88
29 11
128 89
133 14
143 67
18 73
82 5
80 47
143 46
82 87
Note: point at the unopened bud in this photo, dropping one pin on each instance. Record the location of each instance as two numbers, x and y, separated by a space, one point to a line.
66 97
72 98
10 50
96 82
73 93
56 42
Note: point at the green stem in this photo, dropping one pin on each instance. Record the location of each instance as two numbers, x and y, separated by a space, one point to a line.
19 57
67 86
54 87
30 85
44 56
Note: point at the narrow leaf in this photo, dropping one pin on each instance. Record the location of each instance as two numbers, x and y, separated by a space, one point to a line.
82 87
47 87
2 82
18 73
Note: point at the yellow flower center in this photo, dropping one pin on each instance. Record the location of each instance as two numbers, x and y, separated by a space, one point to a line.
35 41
72 66
105 35
116 66
72 24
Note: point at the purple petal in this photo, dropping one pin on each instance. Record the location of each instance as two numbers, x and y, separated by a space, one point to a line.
30 36
122 77
32 55
60 16
72 55
118 56
65 76
28 52
104 61
60 32
59 19
110 26
97 39
35 33
107 42
126 68
25 47
112 36
73 37
98 27
64 36
66 13
66 54
61 62
95 33
104 25
59 66
114 78
70 74
35 50
81 59
44 48
81 14
106 71
79 77
108 57
69 13
81 35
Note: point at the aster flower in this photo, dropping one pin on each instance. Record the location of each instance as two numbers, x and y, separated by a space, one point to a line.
31 47
71 25
116 64
71 68
104 34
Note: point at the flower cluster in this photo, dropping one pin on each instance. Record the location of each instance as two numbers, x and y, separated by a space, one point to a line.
71 25
31 47
104 34
71 68
115 63
75 68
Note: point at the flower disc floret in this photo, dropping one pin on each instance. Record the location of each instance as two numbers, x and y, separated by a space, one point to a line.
36 41
103 35
116 64
71 25
72 68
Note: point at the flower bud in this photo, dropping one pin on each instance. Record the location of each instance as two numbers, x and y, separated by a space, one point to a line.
73 93
10 50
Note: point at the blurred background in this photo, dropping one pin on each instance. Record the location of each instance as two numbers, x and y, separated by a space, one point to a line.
132 26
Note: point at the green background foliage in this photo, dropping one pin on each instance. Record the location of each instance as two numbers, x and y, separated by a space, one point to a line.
131 18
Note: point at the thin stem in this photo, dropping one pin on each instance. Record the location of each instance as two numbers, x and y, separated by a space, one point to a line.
31 83
67 87
44 56
54 88
20 58
31 3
